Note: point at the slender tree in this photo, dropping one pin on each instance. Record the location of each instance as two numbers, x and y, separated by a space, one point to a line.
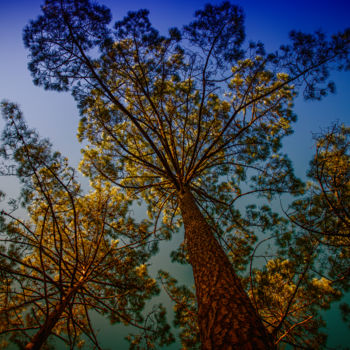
184 119
73 255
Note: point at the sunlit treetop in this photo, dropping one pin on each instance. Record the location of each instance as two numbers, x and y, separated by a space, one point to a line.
195 109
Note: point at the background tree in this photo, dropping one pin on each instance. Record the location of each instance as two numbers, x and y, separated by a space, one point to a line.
185 125
324 212
73 255
318 239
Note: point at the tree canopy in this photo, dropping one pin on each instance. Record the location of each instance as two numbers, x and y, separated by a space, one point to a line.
190 109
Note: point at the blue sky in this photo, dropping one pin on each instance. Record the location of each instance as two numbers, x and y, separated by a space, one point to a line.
55 116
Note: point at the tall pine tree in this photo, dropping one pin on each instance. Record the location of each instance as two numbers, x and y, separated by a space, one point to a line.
183 120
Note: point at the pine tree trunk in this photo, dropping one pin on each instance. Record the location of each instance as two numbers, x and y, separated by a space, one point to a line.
226 317
46 329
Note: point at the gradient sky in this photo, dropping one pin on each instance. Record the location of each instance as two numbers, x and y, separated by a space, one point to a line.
55 116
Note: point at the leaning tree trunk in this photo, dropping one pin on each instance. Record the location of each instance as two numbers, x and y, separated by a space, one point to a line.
226 317
45 330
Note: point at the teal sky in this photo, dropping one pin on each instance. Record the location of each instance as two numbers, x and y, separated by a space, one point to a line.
55 116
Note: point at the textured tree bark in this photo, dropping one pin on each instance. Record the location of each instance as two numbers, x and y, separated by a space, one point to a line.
44 332
227 319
